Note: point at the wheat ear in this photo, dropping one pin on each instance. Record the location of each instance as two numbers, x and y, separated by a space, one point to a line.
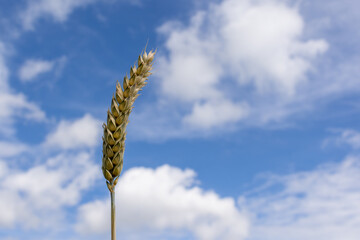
115 127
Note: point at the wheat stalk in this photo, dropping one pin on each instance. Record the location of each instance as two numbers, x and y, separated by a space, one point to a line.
117 120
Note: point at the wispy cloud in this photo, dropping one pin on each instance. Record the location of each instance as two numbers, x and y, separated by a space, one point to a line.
12 148
32 68
350 137
320 204
4 71
13 104
57 10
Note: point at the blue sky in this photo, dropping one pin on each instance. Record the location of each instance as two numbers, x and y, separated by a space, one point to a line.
249 127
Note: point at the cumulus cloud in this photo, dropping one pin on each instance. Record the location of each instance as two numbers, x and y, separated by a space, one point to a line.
58 10
321 204
83 132
164 202
258 43
230 55
263 45
35 194
35 197
34 67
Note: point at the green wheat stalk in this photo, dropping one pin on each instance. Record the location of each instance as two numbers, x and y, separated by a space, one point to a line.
117 120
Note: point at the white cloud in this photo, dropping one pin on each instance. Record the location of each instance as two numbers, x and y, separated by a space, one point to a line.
4 72
163 202
256 43
33 67
35 189
16 105
215 113
191 73
13 104
58 10
242 53
83 132
321 204
35 197
36 192
349 137
3 168
8 149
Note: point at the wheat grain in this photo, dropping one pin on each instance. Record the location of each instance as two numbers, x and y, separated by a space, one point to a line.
117 120
117 117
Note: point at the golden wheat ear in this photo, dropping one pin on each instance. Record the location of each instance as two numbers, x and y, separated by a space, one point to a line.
117 119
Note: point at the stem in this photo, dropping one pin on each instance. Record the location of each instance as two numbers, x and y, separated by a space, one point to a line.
113 229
